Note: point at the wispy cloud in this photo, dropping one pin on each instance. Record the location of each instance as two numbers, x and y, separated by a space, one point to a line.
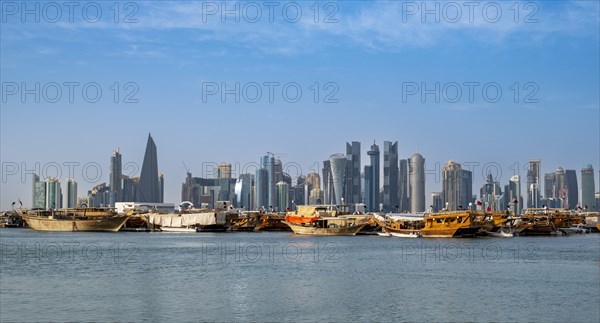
373 26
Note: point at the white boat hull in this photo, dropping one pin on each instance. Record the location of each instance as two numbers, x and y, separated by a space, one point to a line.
405 235
178 230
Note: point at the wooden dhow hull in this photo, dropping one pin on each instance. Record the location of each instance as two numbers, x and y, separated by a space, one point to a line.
450 232
316 231
109 224
450 224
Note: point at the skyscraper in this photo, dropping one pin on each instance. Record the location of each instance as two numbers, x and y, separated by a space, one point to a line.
560 191
587 188
514 186
115 178
71 193
572 189
149 187
278 174
368 195
436 201
53 193
466 188
338 170
39 193
130 188
390 176
99 196
327 183
451 184
416 173
267 162
224 170
161 186
353 189
374 179
282 196
533 182
262 189
404 203
549 182
313 181
243 191
491 194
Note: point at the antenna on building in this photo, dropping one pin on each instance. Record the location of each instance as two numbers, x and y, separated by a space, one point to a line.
184 166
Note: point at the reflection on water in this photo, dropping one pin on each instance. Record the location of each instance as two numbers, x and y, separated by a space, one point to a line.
279 276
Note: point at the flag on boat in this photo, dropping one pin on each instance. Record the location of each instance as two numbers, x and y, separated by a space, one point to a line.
478 202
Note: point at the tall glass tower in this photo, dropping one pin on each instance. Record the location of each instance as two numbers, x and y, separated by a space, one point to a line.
282 196
114 181
71 193
572 189
404 203
53 193
262 189
587 188
149 187
368 177
352 191
417 183
451 184
390 176
515 194
533 183
268 163
374 178
338 170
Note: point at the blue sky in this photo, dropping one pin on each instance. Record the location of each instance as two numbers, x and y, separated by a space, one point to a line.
368 51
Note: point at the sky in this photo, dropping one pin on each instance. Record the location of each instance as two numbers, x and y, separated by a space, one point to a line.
488 84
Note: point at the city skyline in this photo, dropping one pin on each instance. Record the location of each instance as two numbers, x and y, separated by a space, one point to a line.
232 170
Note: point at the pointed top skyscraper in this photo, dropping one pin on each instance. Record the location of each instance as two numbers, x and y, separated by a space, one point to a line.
149 188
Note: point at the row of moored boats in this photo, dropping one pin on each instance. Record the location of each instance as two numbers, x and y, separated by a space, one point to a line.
320 220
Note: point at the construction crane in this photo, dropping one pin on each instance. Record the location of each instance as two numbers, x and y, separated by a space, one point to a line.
187 170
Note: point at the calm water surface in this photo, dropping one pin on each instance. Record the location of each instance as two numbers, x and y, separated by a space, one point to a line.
282 277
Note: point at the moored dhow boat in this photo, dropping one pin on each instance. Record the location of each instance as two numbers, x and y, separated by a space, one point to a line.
324 220
75 219
271 222
447 224
400 225
538 221
323 227
190 221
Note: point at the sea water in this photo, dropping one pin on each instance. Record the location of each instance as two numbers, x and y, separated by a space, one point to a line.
279 276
